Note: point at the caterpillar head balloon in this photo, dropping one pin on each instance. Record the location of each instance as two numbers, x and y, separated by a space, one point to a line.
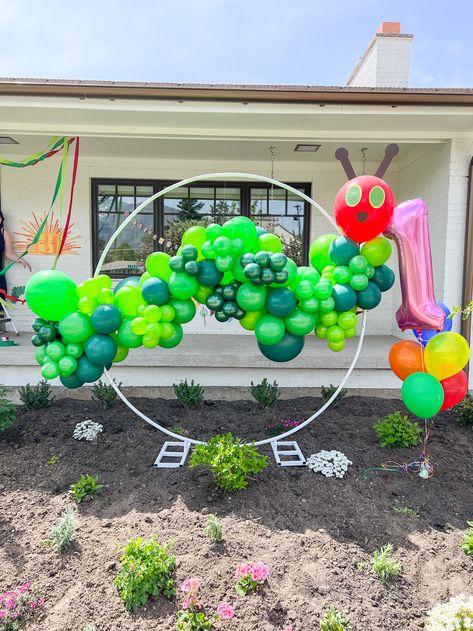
364 206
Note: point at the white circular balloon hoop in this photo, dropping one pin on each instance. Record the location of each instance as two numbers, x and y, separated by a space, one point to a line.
228 176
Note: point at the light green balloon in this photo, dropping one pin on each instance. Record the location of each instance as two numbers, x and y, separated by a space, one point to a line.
157 264
76 327
269 243
319 252
128 299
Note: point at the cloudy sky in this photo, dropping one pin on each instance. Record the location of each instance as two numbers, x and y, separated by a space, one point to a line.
228 41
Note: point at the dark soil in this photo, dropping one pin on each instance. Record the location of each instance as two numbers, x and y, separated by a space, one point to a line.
317 534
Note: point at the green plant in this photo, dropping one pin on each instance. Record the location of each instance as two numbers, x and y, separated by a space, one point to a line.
214 529
63 534
334 620
86 488
464 411
396 430
326 392
467 545
89 627
104 394
36 397
182 431
264 393
7 410
53 459
146 570
385 568
405 511
190 394
230 460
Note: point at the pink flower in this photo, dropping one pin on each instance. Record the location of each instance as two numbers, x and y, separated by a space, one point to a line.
190 584
243 569
289 628
191 602
260 572
10 603
25 587
225 611
3 614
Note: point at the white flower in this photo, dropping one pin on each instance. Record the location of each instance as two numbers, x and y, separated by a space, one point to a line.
87 430
329 463
455 614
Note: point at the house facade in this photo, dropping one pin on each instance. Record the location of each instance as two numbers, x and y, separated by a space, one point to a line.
136 138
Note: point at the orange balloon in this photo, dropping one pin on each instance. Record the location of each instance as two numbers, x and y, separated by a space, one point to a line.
406 357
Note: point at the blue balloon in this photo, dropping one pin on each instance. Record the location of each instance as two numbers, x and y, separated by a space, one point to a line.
425 335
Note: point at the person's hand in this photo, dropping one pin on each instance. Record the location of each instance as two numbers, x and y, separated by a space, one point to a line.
25 264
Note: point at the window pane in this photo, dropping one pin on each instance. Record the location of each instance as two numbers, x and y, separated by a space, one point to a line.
259 201
129 251
126 189
227 204
144 191
201 200
106 203
277 201
107 189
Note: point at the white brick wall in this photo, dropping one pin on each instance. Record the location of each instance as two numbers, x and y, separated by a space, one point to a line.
385 64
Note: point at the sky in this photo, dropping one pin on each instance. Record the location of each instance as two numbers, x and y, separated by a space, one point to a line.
229 41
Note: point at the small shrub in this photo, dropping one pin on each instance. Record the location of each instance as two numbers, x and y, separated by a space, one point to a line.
385 568
467 545
281 427
396 430
191 616
405 511
182 431
7 411
231 461
250 576
334 620
326 392
456 613
104 394
86 488
63 534
190 394
17 606
214 529
89 627
464 411
53 459
36 397
265 393
146 570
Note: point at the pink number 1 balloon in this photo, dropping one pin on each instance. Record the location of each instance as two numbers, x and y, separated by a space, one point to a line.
409 229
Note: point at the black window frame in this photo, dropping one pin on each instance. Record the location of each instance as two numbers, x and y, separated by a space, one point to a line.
158 206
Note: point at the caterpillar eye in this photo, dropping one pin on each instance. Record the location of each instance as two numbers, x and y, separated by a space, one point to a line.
353 195
377 197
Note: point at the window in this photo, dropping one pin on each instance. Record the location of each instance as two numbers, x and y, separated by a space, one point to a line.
162 223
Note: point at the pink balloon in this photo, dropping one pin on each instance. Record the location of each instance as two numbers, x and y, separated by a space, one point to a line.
410 231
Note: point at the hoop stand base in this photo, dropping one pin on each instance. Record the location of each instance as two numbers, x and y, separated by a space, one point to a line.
173 454
290 451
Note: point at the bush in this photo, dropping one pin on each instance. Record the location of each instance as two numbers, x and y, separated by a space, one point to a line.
464 411
334 620
86 488
214 529
146 570
7 411
326 392
467 545
104 394
36 397
457 613
63 534
385 568
230 461
396 430
190 394
264 393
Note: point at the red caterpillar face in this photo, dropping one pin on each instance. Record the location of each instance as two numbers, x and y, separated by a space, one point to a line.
364 207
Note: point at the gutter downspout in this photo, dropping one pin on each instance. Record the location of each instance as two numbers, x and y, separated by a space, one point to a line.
467 293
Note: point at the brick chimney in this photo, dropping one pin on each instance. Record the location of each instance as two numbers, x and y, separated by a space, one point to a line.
385 63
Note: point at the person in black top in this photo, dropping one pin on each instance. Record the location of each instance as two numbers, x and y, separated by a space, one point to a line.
7 251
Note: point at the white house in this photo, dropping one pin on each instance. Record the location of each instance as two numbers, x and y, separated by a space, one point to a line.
138 137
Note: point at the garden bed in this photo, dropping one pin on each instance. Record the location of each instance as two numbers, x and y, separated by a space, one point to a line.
316 534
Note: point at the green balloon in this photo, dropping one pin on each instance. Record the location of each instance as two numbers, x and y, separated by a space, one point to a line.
422 394
377 251
250 319
304 289
224 263
319 251
344 296
311 305
269 329
327 305
182 286
71 382
323 289
76 327
155 291
157 264
358 282
347 320
250 297
329 319
288 348
67 366
321 331
202 294
122 353
281 302
369 298
269 242
209 275
50 370
126 337
88 372
342 274
299 322
128 299
100 349
342 250
242 228
208 251
55 350
75 350
335 333
185 310
238 271
106 319
358 264
383 277
195 235
41 356
125 282
222 246
213 231
174 339
51 294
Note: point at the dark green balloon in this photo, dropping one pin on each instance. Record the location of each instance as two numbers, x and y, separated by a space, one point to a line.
342 249
87 371
288 348
262 258
221 317
252 271
71 382
37 341
192 268
38 323
100 349
47 333
230 309
281 302
215 302
155 291
278 261
177 263
383 277
106 319
208 274
229 292
268 276
282 277
240 314
246 259
131 280
174 339
260 230
189 252
369 298
344 297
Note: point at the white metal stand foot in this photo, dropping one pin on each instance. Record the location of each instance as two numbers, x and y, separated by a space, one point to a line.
172 455
290 451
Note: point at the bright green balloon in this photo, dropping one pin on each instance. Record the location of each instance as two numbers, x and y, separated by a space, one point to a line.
304 289
138 325
130 280
87 305
167 313
157 264
51 294
251 297
269 329
104 281
377 251
40 355
347 320
202 294
91 287
250 319
122 353
299 322
105 297
422 394
144 277
76 327
174 339
128 299
336 346
67 366
126 337
73 349
196 236
50 370
55 350
319 252
335 333
185 310
269 242
242 228
329 319
321 331
213 231
152 313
